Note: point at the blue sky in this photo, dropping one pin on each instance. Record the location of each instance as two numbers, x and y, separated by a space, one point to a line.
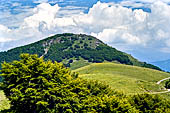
138 27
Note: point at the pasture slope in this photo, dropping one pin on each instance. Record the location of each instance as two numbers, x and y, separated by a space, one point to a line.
125 78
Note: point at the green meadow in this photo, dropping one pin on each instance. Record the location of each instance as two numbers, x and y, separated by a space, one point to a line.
125 78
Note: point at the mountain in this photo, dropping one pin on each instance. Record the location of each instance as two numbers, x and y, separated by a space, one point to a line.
74 50
164 65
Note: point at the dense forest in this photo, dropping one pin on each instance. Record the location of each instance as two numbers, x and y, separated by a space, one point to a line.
69 48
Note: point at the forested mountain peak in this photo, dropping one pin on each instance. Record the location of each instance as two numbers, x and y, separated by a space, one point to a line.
73 50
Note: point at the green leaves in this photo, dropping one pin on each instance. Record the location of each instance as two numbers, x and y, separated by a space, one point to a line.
147 103
167 84
31 82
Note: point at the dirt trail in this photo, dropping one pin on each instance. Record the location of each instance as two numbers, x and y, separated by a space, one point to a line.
162 80
168 90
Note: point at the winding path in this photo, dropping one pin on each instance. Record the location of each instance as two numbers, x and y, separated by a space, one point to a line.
162 80
168 90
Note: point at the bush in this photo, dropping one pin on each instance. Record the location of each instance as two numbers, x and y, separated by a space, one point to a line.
167 84
147 103
71 61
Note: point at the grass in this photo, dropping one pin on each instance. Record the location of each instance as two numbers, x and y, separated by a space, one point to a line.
129 79
78 64
4 103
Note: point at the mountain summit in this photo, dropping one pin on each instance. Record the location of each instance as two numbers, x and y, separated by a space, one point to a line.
74 50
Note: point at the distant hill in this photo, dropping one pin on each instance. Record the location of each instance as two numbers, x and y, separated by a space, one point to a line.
73 50
164 65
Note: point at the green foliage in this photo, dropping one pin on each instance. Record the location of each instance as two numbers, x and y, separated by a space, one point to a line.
67 46
167 84
150 66
96 55
33 85
147 103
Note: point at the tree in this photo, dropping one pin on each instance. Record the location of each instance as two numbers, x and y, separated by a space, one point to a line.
33 85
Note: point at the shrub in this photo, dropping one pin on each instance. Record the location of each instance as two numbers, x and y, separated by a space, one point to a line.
167 84
147 103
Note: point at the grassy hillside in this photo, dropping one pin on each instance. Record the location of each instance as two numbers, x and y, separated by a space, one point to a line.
129 79
4 103
74 50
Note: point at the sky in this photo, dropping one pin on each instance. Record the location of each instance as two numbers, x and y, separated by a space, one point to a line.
138 27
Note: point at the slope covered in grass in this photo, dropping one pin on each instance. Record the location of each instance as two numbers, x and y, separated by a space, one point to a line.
4 103
129 79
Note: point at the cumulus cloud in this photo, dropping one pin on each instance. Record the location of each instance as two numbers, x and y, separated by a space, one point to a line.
151 1
119 25
40 1
3 31
114 24
42 13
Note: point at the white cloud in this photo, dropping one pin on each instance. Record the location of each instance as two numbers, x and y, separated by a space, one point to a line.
112 23
40 1
42 13
115 36
3 31
15 20
165 50
150 1
16 4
